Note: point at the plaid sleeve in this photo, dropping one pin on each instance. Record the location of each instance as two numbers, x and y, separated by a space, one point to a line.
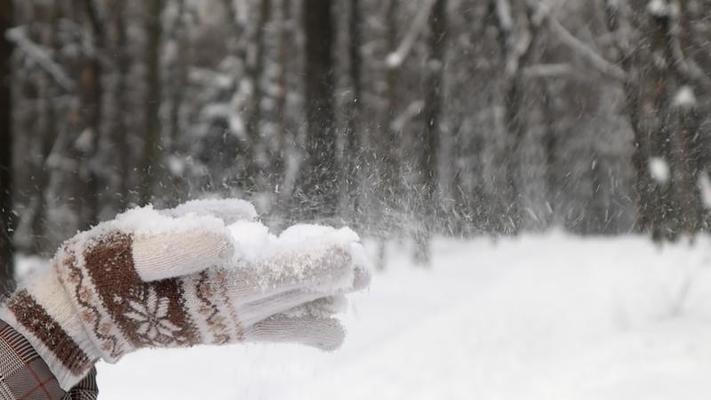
86 389
25 376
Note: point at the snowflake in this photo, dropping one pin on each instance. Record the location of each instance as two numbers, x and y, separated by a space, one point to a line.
152 317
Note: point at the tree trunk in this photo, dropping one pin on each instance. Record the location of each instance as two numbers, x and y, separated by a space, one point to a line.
597 220
515 130
91 107
687 154
666 155
119 127
516 50
286 136
550 151
319 175
40 242
430 144
7 217
657 97
391 147
687 121
352 151
254 120
629 58
150 167
386 148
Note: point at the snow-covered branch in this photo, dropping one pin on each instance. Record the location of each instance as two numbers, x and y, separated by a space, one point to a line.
210 78
518 47
503 14
517 44
685 66
596 60
39 55
547 70
413 110
396 58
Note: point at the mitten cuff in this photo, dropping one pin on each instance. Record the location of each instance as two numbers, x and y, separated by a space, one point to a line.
42 313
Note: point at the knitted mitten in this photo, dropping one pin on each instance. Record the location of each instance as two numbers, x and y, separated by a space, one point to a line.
178 278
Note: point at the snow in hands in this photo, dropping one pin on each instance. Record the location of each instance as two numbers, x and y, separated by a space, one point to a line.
287 288
201 273
251 246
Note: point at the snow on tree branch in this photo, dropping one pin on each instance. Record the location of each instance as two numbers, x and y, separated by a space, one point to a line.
659 170
413 110
548 70
515 47
396 58
661 8
39 55
685 66
684 98
503 14
596 60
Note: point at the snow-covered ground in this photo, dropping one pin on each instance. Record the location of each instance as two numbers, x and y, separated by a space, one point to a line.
540 317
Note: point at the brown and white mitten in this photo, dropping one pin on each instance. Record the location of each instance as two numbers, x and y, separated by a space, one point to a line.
181 277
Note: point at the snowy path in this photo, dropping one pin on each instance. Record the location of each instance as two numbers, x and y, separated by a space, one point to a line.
547 317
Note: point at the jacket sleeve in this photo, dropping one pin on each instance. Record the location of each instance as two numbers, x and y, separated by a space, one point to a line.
86 389
24 375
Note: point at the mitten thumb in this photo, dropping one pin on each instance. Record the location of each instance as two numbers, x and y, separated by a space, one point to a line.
165 247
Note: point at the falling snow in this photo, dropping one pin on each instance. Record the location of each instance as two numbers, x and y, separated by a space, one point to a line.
659 170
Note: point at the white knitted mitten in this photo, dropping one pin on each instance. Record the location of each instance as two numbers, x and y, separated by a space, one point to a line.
182 277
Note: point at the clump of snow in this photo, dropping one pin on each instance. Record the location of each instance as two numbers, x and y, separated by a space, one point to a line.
26 266
176 165
85 141
393 60
534 317
434 65
684 97
659 170
209 215
296 235
146 220
229 210
704 186
661 8
237 126
300 250
252 240
256 243
657 7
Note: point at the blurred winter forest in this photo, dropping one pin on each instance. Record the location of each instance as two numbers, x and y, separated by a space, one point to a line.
403 118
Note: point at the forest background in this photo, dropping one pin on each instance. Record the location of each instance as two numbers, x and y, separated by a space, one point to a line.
404 119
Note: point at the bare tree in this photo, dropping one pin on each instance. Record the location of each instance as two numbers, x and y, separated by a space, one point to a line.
286 133
119 128
518 28
391 188
352 152
387 147
550 149
661 107
153 98
255 70
319 175
90 93
432 132
49 137
7 218
469 117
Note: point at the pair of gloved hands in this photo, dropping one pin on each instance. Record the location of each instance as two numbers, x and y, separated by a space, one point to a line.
204 272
